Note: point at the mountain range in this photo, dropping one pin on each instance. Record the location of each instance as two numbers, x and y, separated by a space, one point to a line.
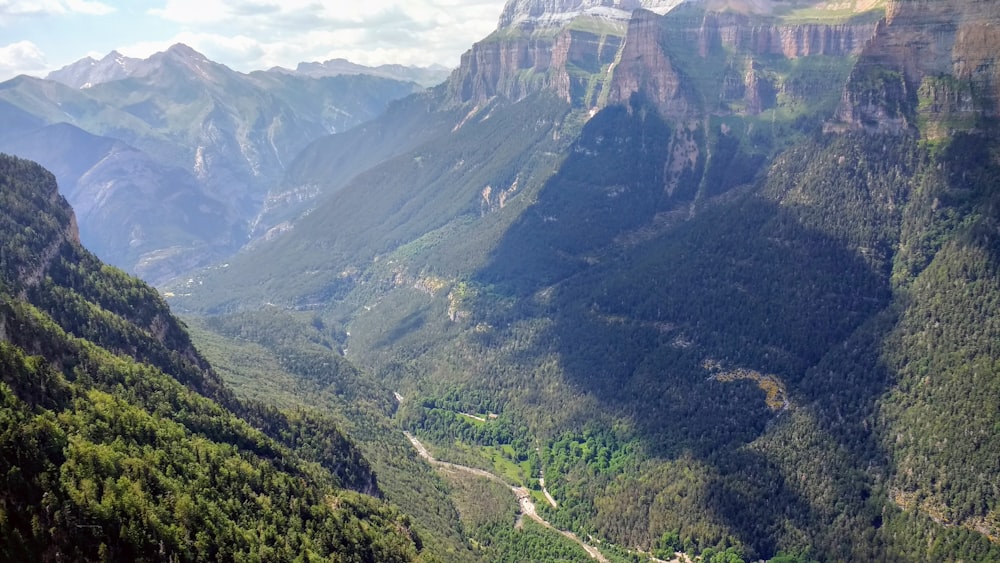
179 151
712 279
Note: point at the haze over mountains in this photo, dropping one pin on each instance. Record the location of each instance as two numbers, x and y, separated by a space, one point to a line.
178 151
715 277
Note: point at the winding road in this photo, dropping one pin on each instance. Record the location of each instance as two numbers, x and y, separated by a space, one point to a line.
523 495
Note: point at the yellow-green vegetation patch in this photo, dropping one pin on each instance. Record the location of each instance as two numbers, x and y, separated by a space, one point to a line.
830 12
598 26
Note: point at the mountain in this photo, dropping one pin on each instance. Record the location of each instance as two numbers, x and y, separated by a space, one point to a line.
221 137
594 62
117 189
425 76
724 276
16 121
534 14
88 72
119 440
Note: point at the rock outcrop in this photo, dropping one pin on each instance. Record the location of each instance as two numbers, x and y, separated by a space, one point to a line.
740 32
931 65
563 46
665 58
646 69
592 52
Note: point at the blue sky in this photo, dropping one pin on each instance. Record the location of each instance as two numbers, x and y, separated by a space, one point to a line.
37 36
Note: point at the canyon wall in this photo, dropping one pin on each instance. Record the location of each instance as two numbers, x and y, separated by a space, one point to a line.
932 66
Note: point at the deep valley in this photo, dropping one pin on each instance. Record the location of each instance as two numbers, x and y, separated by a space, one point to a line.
641 280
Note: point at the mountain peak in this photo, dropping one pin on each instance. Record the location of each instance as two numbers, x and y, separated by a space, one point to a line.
89 72
183 51
549 13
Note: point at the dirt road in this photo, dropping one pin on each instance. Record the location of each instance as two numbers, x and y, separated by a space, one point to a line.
523 495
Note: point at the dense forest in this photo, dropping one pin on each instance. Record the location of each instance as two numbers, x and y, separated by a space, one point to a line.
120 443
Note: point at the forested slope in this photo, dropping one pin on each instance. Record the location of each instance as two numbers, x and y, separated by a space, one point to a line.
119 442
806 365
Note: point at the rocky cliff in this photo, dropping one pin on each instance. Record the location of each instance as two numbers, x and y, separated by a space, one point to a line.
645 67
564 46
931 65
592 52
728 30
695 58
573 64
572 61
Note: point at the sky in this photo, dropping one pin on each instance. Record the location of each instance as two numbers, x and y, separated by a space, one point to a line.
38 36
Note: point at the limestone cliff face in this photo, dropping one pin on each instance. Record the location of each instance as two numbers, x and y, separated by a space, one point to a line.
645 68
739 32
513 68
594 52
937 61
591 56
572 64
563 46
650 63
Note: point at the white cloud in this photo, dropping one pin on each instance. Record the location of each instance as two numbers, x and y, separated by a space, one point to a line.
236 51
13 9
90 8
23 57
192 11
10 9
271 32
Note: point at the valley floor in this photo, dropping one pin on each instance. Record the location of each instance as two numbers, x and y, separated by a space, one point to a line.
527 506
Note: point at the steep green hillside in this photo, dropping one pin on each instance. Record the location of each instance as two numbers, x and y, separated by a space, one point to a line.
118 441
294 361
453 185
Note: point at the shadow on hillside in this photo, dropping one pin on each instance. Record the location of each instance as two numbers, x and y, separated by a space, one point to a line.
744 286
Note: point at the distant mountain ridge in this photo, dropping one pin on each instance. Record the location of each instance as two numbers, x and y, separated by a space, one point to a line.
425 76
204 143
88 72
